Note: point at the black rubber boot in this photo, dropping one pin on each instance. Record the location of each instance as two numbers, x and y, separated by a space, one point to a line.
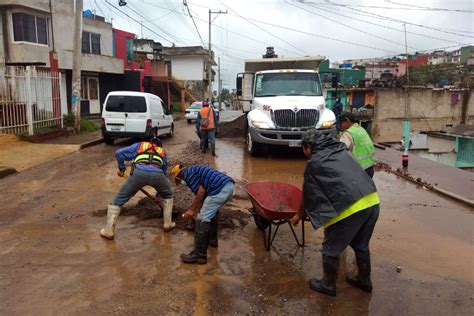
201 243
213 149
327 284
213 231
362 279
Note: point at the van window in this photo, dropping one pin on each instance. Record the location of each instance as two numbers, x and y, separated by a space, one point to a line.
126 103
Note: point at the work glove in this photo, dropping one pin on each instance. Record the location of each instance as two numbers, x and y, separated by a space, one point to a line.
121 173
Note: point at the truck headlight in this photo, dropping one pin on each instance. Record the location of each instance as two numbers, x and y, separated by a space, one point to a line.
259 124
328 124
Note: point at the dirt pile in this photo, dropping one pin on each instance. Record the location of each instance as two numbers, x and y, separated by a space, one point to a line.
146 212
235 128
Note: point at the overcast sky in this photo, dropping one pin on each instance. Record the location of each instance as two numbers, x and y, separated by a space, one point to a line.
337 29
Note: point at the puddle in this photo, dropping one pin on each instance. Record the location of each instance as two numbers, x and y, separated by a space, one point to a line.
285 166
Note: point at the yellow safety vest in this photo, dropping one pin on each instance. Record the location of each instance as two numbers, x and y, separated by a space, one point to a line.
149 154
363 203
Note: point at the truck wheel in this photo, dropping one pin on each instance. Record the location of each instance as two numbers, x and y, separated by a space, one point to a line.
189 121
253 148
109 140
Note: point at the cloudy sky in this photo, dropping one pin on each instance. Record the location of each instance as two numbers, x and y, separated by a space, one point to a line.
337 29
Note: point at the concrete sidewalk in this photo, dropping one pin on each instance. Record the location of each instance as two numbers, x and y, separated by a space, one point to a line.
17 155
444 179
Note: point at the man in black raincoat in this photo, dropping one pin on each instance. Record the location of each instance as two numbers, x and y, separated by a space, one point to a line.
340 196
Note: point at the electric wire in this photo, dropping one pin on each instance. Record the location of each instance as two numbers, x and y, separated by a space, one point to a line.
351 27
381 25
194 22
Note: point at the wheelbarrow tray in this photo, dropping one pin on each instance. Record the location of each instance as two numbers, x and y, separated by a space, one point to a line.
274 200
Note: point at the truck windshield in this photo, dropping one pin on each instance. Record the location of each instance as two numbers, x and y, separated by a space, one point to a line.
287 83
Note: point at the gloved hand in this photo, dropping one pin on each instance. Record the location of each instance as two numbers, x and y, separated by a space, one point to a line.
296 219
121 173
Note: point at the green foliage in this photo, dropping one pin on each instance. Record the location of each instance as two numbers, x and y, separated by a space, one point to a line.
225 95
87 126
176 106
435 74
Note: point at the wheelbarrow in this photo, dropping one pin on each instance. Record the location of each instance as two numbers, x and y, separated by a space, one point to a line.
274 204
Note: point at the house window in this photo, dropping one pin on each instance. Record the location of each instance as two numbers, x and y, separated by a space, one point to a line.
30 28
89 88
90 43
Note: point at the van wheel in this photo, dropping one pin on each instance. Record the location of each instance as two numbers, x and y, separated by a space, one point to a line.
189 121
109 140
253 148
155 133
171 133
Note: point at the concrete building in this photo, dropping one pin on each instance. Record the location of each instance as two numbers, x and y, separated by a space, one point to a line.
438 57
189 68
50 40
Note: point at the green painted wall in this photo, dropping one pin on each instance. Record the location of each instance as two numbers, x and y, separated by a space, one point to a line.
349 77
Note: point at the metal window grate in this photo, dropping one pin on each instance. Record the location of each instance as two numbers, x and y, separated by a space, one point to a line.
303 118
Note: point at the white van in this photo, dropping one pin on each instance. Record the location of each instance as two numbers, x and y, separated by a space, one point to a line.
135 114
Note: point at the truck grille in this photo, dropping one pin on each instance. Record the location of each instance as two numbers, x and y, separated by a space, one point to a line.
303 118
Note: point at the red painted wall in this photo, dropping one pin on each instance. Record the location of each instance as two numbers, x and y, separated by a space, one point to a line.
120 42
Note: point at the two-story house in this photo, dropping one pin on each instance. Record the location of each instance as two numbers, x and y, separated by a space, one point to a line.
33 32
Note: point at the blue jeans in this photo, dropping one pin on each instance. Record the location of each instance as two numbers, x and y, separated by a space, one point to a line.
212 204
209 134
138 180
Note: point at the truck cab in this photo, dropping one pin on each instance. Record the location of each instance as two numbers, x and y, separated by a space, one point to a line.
281 104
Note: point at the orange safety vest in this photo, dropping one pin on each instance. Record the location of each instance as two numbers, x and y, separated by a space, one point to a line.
150 154
207 118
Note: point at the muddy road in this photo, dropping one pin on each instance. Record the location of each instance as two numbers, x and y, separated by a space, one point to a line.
53 261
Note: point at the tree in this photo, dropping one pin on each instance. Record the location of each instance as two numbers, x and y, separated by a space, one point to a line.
225 95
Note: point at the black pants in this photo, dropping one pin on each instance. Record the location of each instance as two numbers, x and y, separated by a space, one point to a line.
355 231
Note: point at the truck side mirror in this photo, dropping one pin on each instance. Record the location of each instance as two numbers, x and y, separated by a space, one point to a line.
239 85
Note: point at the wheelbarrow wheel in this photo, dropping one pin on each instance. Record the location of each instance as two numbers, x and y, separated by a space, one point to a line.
261 222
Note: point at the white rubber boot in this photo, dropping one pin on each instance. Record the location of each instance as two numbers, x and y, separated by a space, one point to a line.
168 224
113 212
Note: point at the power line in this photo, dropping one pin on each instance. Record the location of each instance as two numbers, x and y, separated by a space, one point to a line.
311 34
405 22
381 25
266 31
429 8
351 27
160 28
197 30
128 16
411 7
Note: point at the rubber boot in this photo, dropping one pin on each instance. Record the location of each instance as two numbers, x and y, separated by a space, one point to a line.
201 243
213 149
113 211
213 231
327 284
168 224
362 279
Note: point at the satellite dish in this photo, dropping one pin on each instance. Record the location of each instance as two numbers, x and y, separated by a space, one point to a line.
149 56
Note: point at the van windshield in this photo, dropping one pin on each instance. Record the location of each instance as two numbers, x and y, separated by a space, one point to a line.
287 83
126 103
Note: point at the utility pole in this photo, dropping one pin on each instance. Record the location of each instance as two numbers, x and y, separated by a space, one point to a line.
219 90
209 70
76 66
406 121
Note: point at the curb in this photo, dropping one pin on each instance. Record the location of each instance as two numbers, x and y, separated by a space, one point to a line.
91 143
5 172
436 189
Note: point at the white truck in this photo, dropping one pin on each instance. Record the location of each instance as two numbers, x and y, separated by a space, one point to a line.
282 98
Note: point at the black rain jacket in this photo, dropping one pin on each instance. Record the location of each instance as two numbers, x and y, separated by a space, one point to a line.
333 181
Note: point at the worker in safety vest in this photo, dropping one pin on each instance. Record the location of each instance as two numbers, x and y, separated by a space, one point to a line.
341 197
212 189
207 122
148 168
358 142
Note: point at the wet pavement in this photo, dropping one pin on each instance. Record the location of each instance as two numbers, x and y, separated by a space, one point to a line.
53 261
